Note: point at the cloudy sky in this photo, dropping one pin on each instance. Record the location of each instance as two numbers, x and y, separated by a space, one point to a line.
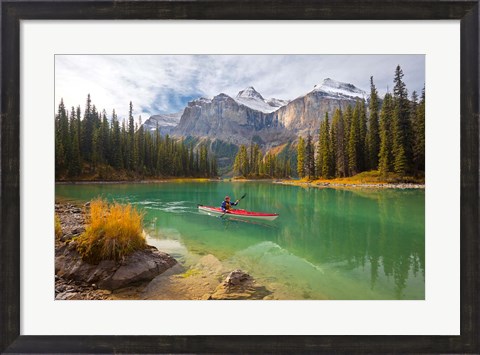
164 84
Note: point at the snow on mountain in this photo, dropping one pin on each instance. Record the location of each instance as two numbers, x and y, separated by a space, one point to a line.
277 102
250 93
200 101
164 121
251 98
337 89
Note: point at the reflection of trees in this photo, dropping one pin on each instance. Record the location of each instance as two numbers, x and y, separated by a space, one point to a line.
383 233
380 232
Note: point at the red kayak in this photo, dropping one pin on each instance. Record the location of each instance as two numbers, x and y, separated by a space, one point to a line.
217 211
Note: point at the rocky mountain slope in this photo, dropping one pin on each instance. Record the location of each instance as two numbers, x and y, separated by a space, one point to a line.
249 117
165 122
226 119
305 113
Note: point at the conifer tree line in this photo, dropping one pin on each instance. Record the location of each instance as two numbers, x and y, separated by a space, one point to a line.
91 143
390 139
251 162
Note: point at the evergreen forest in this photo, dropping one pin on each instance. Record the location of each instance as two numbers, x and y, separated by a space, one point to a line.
93 145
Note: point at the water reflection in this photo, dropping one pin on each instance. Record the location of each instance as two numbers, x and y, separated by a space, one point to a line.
335 244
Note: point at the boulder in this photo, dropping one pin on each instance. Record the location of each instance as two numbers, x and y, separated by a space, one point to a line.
239 285
140 266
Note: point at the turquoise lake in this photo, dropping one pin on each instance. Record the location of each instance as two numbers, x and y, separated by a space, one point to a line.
326 244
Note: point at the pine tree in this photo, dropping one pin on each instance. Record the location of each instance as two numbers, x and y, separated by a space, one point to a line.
117 160
213 167
96 149
87 131
347 119
320 149
301 158
191 161
124 142
237 165
354 142
325 159
288 168
251 159
385 158
136 151
106 145
204 160
241 162
244 159
400 163
131 138
362 142
310 157
328 162
373 135
419 135
332 145
74 164
61 138
257 156
402 147
64 129
338 139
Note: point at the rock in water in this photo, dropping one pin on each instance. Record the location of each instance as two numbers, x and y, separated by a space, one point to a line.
142 265
239 285
236 278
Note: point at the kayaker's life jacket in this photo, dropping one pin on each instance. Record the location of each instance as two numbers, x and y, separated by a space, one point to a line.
227 205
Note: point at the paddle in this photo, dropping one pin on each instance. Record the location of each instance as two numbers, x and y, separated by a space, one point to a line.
241 198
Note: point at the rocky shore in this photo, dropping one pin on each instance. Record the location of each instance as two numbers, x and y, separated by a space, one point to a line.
78 279
145 274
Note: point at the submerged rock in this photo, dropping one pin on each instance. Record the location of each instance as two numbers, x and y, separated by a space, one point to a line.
140 266
239 285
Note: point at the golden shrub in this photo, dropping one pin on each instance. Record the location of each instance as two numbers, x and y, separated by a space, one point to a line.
113 231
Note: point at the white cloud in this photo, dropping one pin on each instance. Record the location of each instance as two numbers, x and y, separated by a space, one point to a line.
164 83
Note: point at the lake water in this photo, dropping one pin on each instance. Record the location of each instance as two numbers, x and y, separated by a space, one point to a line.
326 243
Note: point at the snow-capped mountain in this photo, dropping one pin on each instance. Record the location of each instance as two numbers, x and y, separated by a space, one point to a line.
229 120
304 114
337 89
200 101
250 115
165 122
252 98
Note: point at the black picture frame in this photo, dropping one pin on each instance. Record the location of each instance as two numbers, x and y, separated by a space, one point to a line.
13 12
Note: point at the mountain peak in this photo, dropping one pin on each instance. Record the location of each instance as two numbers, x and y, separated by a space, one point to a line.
252 98
339 89
250 93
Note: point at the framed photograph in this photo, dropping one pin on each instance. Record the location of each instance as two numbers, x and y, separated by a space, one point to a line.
225 177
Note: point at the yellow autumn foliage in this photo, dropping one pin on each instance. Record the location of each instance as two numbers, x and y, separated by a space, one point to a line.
113 231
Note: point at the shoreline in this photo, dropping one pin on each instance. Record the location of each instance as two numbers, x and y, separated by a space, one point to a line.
352 185
300 183
146 181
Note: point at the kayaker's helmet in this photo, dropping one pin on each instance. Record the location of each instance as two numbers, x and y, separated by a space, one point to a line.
227 197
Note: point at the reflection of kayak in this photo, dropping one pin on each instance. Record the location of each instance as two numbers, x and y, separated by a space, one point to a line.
217 211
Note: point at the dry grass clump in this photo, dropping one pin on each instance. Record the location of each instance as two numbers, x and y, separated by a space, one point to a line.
58 227
113 231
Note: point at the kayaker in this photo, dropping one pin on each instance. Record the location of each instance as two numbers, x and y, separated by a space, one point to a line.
227 205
